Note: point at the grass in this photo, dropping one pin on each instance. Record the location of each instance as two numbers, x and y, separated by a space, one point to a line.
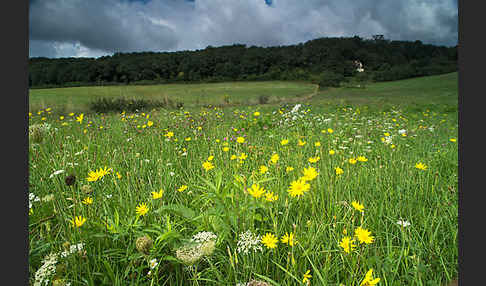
169 152
77 99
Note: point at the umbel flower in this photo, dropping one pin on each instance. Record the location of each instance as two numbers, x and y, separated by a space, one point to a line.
202 244
247 242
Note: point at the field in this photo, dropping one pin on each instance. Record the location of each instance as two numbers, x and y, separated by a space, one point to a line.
347 186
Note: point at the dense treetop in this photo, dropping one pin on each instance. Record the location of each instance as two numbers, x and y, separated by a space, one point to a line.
382 60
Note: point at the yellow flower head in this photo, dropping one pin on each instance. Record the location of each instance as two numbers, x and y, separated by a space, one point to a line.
243 156
80 118
169 134
269 240
256 191
289 169
298 187
274 159
301 143
288 239
142 209
363 235
182 188
352 161
330 130
78 221
339 171
362 159
357 206
207 166
317 144
314 159
157 195
240 140
87 201
347 244
421 166
225 149
256 113
284 142
263 169
309 174
150 123
368 280
332 152
306 276
270 197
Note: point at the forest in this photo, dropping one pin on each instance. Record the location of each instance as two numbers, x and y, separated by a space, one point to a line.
335 58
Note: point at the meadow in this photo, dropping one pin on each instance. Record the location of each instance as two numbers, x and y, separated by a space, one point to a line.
346 186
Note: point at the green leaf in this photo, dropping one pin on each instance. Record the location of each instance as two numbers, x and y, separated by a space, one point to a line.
111 274
178 209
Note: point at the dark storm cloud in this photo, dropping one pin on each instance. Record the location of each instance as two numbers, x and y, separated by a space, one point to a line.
102 25
92 27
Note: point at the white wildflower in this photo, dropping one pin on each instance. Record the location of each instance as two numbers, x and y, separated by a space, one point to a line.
46 271
72 249
403 223
153 263
56 173
248 242
203 236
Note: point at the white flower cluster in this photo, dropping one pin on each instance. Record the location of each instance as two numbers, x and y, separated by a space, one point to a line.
32 198
248 242
203 236
45 272
202 244
48 268
72 249
46 127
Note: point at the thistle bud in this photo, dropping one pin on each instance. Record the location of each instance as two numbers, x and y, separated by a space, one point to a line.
144 244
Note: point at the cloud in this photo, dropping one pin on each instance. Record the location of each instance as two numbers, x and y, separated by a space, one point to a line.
91 27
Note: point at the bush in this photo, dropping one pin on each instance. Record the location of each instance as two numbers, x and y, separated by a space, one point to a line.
263 99
105 105
330 79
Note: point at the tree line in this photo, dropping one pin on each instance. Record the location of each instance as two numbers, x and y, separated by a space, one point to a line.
382 60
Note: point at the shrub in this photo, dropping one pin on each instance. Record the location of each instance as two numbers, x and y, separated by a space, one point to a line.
330 79
105 105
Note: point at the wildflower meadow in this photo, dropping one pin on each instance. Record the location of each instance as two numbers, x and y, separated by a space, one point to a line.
302 193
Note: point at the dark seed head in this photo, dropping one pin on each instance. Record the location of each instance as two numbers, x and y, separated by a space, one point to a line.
70 180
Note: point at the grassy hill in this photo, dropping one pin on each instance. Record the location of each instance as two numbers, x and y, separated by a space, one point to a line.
415 93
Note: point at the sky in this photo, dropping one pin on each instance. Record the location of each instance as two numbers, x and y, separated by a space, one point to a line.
94 28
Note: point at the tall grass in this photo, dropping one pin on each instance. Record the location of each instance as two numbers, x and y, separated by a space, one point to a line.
167 153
